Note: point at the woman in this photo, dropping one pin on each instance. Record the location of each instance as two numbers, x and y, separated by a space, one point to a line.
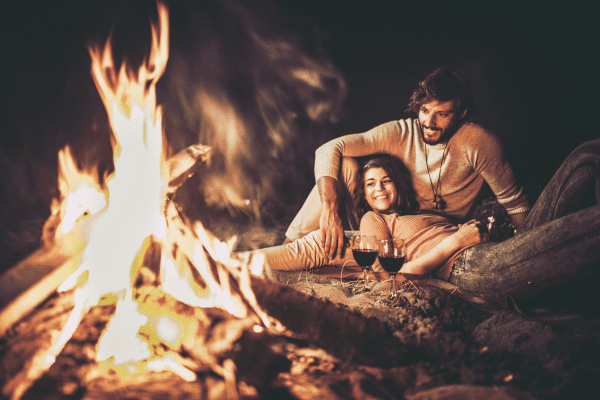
558 242
385 198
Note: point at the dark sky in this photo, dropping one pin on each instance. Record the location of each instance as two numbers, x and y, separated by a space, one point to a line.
528 65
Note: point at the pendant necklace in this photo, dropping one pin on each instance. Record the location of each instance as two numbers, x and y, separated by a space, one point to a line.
438 202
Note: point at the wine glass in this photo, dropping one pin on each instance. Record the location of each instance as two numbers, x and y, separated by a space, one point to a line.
392 253
364 250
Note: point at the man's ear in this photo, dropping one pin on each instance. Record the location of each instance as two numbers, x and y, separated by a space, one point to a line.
462 114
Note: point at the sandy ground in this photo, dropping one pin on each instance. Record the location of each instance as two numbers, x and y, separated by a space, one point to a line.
465 344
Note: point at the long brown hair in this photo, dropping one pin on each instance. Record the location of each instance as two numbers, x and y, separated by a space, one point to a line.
406 200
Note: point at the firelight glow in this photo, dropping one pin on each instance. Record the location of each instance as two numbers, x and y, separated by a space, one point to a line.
129 215
136 192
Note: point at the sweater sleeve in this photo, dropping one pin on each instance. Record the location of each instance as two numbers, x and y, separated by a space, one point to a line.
486 156
379 140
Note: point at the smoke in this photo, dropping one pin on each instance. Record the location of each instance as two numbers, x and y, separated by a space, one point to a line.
258 86
247 78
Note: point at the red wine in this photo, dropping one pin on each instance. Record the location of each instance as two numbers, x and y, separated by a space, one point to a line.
391 264
364 258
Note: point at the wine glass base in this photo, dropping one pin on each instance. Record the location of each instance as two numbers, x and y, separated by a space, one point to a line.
392 293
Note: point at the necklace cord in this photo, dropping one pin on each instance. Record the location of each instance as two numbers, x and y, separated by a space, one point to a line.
438 187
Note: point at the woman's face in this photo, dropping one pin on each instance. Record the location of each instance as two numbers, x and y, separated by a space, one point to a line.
380 191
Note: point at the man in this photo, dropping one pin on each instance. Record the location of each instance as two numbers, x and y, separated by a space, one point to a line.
448 157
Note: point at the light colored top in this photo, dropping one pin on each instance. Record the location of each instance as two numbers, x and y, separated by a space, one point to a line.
474 155
420 232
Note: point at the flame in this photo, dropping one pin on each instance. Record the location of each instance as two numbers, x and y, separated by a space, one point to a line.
133 212
81 194
136 212
137 190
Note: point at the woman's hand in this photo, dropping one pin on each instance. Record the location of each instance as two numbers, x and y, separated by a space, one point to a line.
471 233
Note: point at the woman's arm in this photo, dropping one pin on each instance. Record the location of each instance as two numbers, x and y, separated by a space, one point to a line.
468 235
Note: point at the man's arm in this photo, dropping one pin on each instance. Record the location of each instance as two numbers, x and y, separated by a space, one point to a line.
330 222
487 157
518 219
328 160
387 138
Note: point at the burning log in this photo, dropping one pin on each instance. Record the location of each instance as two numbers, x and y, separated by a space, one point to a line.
194 266
185 163
264 359
27 284
65 251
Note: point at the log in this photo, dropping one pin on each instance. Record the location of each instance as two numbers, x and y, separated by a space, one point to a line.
267 363
183 165
348 335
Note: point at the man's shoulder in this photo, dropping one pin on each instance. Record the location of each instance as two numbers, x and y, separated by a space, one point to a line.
399 130
474 135
473 129
408 124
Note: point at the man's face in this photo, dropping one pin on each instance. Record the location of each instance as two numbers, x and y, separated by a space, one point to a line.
439 120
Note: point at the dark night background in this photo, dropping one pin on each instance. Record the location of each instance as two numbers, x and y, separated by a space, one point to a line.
529 67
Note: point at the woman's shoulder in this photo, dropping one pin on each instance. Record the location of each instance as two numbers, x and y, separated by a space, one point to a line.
372 217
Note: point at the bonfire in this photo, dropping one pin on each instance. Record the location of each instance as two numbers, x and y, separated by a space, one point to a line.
121 233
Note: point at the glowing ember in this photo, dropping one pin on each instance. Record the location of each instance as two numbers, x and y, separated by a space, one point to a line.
132 217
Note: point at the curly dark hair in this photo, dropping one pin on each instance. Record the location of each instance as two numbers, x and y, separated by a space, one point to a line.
443 84
406 202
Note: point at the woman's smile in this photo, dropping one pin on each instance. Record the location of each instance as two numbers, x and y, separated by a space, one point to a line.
380 191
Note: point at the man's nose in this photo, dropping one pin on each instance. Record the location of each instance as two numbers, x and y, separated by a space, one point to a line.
431 120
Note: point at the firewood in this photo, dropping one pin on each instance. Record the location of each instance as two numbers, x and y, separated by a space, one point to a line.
24 286
182 165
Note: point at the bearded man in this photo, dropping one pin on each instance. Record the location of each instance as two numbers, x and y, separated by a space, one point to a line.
449 158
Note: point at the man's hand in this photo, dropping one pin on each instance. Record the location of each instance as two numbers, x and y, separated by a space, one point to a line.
332 232
330 223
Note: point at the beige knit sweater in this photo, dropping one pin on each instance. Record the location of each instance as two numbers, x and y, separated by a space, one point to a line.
420 232
474 155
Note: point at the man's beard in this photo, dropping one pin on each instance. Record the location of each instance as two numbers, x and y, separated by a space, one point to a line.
431 142
444 137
